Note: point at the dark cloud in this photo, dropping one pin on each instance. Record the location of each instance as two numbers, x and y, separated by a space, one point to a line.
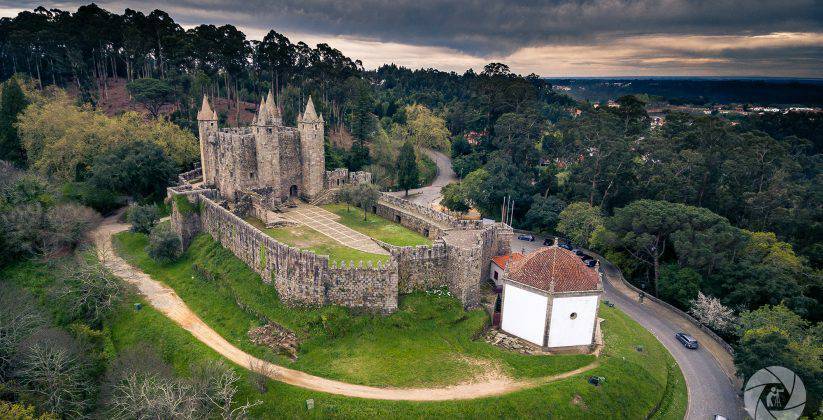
498 28
486 27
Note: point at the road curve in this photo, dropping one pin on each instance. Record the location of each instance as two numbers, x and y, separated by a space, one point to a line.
709 387
430 194
165 300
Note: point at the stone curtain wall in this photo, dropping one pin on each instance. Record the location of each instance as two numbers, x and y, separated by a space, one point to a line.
300 277
420 267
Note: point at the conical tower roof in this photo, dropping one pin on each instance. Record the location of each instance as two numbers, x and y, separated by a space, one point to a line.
206 113
274 110
310 114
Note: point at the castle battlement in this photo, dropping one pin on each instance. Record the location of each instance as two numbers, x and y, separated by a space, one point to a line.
288 162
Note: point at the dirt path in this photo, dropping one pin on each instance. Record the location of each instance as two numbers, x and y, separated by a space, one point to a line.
164 299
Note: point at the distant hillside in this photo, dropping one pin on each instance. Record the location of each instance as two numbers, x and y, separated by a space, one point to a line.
115 99
806 92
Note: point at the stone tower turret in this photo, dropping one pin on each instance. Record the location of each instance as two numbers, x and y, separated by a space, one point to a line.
266 135
311 129
207 131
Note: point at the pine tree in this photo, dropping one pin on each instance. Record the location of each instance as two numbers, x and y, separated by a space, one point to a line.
12 103
408 174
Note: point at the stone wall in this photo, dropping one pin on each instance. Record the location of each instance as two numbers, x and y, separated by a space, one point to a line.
300 277
341 176
420 267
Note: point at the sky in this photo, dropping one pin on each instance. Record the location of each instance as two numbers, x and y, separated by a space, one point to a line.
563 38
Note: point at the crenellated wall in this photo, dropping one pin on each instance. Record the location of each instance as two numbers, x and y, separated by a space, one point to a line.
300 277
457 259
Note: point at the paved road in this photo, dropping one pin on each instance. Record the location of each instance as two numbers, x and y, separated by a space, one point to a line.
710 391
429 195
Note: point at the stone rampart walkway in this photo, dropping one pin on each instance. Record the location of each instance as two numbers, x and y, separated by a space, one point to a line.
326 223
165 300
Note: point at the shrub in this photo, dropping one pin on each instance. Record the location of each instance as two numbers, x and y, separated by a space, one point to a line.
164 245
68 224
143 217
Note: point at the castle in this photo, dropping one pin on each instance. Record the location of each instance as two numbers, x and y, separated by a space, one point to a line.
253 171
270 159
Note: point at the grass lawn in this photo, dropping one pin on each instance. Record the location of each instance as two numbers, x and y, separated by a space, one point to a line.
304 237
636 382
376 226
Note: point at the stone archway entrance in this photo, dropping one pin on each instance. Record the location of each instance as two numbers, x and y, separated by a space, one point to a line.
293 191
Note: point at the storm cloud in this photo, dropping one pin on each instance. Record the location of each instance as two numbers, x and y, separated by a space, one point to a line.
604 37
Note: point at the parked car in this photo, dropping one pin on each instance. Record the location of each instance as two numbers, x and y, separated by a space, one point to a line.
564 245
688 341
526 237
548 242
591 263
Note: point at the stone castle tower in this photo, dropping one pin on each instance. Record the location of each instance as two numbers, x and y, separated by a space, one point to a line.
267 157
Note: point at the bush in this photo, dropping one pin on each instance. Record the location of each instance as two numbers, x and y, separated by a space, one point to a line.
102 200
143 218
68 224
164 245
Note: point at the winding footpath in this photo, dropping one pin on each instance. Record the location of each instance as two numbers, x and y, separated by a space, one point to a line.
430 194
165 300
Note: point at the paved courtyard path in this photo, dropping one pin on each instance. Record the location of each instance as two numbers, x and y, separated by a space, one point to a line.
164 299
326 223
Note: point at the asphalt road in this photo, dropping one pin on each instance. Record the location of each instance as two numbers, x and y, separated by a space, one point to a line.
710 391
431 194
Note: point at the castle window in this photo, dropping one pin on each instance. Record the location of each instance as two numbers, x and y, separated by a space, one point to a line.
251 175
573 315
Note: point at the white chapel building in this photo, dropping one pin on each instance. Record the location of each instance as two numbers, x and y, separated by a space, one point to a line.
551 298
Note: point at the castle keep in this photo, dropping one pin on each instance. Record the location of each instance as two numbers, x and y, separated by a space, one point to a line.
252 171
269 159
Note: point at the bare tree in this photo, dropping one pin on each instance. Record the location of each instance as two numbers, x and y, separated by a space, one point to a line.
20 317
261 373
89 290
53 370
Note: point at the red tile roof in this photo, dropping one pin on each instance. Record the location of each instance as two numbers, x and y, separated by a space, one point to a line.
555 265
501 260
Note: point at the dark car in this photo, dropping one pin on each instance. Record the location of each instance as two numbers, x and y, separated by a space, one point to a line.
688 341
564 246
548 241
526 237
591 263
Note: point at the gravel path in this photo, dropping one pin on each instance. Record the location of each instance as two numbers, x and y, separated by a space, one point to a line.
164 299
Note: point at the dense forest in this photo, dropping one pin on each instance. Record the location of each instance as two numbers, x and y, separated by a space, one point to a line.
720 219
701 91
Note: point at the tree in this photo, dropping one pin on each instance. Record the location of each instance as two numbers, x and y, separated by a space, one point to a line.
578 221
164 245
139 169
454 197
152 93
12 102
774 335
55 373
88 291
644 227
364 196
711 313
20 317
143 218
544 213
679 286
68 225
408 175
426 129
